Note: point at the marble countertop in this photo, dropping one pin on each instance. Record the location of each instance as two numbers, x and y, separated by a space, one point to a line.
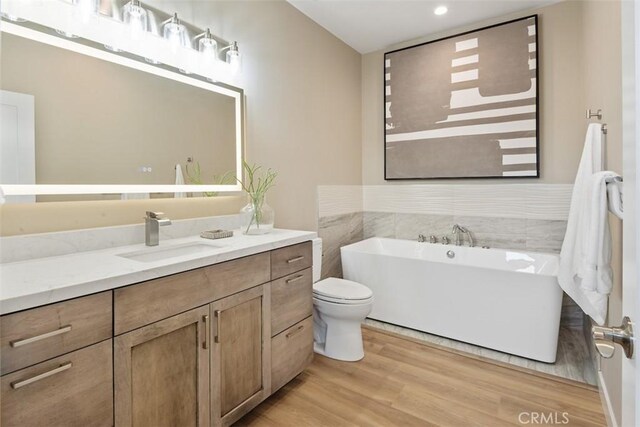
31 283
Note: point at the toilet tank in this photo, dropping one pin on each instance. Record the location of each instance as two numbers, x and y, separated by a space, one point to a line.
317 259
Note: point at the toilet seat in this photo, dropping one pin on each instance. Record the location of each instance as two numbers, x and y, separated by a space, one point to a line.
341 291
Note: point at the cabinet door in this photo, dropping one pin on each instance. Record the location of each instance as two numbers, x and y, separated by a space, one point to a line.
75 389
240 354
162 373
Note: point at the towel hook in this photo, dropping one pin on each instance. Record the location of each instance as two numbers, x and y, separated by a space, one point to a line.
590 114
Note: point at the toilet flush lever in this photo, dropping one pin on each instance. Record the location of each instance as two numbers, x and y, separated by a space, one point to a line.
605 338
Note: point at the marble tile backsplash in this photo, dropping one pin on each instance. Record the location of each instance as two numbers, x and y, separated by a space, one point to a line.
507 233
337 231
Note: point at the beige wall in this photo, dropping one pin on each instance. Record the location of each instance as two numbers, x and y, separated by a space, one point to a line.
302 89
562 123
602 69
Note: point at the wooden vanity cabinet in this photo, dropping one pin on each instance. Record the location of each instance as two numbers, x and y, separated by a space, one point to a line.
240 354
194 349
162 372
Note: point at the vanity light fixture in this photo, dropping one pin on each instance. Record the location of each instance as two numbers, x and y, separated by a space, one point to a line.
440 10
234 58
175 32
130 26
136 18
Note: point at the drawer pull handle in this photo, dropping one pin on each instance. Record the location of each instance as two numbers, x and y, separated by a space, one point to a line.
218 315
292 333
296 259
294 279
20 343
17 384
207 331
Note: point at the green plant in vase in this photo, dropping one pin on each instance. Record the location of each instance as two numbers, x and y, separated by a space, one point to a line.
258 215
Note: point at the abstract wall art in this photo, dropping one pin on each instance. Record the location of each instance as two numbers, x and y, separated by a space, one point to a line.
465 106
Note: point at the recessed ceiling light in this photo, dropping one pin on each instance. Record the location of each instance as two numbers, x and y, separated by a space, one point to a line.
440 10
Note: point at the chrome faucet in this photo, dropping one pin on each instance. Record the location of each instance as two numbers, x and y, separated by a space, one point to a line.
152 223
458 230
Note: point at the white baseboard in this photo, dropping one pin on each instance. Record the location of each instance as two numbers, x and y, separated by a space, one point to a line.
606 402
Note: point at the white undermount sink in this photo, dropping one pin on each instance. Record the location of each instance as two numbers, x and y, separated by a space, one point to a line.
159 253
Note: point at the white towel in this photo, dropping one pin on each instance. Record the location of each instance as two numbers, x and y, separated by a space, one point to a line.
585 270
179 181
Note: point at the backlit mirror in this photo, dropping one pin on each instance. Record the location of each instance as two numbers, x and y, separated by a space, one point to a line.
75 116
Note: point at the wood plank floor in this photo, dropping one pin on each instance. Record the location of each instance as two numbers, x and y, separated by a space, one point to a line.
402 382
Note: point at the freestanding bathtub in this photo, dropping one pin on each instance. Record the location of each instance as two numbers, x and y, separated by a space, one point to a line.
506 300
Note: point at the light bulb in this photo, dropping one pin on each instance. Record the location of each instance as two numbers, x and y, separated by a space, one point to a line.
135 16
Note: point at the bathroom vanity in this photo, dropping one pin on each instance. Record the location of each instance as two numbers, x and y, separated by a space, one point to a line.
198 347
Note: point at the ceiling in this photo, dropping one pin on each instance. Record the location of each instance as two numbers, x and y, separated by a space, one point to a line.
370 25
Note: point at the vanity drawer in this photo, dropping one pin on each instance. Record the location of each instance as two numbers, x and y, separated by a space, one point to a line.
145 303
291 353
72 390
38 334
291 300
288 260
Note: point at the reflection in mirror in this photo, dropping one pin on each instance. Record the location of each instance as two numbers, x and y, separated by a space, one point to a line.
99 122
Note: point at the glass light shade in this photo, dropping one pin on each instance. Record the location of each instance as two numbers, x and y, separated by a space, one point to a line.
234 58
208 48
85 9
175 33
135 17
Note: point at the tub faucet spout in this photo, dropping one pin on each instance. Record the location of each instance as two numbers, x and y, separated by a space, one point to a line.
459 230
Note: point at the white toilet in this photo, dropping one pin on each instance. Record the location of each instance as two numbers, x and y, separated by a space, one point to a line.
339 308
